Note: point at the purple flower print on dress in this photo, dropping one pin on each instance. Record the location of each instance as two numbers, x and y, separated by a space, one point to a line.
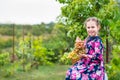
91 68
73 75
91 51
97 44
94 75
84 77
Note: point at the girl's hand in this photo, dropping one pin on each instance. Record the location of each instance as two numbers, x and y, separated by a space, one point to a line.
78 39
83 55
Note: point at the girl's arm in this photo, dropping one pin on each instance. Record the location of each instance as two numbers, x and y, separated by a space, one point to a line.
97 51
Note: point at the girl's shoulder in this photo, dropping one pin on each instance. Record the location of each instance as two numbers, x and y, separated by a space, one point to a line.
93 39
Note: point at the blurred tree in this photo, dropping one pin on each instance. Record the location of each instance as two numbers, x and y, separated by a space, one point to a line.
74 13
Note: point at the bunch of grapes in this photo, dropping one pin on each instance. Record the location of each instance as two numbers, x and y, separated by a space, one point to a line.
78 49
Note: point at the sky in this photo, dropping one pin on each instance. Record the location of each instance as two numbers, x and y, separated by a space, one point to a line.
29 11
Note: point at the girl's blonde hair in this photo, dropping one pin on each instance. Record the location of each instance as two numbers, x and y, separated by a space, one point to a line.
92 19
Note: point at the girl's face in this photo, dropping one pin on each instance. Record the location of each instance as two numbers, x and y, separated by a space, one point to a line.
92 28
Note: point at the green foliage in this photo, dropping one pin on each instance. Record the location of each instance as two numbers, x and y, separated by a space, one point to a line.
24 50
10 69
53 45
6 68
57 42
64 59
4 59
74 13
6 29
40 53
65 1
113 68
37 29
5 43
31 50
114 31
42 28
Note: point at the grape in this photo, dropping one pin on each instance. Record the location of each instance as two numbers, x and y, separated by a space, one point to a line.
79 48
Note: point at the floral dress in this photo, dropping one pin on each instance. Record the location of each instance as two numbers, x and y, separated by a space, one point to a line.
92 67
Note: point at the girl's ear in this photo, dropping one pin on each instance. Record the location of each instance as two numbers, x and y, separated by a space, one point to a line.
99 27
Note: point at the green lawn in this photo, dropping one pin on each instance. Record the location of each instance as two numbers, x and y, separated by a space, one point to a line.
56 72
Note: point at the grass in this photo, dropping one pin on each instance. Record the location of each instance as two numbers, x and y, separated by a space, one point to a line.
56 72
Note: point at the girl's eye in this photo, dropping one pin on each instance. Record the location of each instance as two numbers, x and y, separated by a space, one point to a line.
93 26
88 27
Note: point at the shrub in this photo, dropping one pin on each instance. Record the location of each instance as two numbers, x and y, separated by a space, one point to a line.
113 68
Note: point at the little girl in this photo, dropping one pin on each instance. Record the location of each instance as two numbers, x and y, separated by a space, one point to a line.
91 65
